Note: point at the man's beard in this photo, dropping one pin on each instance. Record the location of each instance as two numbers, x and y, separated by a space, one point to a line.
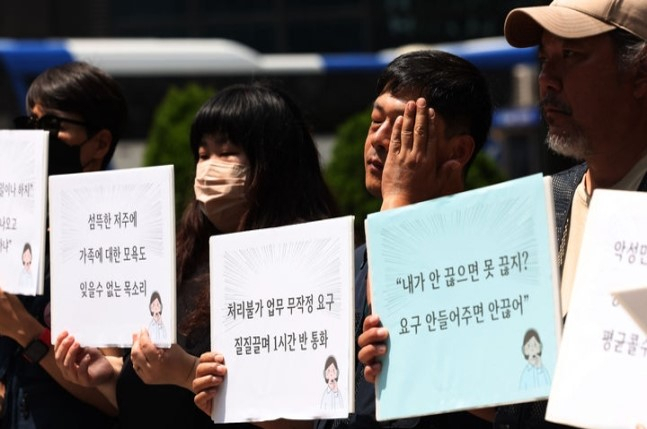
573 145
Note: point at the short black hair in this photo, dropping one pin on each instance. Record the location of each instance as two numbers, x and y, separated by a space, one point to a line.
85 90
451 85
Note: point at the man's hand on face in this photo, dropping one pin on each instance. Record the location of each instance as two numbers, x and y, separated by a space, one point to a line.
414 171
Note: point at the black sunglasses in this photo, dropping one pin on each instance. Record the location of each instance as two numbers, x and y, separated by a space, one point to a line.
45 122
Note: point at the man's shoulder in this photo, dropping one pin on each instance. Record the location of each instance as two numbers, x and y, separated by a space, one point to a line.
564 184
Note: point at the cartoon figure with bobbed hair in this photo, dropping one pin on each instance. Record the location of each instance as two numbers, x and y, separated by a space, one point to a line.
156 328
331 398
534 374
25 282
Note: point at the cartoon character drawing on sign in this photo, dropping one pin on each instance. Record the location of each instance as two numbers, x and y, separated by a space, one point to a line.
331 398
534 374
156 328
25 281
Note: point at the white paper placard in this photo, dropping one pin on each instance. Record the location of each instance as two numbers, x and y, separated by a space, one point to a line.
112 250
281 306
601 370
23 198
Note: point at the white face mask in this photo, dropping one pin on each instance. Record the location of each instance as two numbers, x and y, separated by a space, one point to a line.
220 187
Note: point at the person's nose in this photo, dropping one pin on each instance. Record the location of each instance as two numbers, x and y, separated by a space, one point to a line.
549 78
382 136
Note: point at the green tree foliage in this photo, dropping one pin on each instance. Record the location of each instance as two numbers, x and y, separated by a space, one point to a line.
484 172
168 138
345 172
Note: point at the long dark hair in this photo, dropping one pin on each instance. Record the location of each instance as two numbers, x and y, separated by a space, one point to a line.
192 253
285 184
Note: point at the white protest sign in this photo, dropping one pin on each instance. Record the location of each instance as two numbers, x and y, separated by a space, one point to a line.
113 255
282 315
23 184
601 371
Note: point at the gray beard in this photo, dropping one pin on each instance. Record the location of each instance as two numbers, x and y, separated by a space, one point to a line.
573 146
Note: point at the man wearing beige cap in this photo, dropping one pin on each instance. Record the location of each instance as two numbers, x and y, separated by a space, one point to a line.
593 90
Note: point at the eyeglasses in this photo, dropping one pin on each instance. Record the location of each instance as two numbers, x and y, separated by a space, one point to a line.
46 122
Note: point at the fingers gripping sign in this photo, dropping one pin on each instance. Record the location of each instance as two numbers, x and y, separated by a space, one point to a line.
161 366
209 375
372 343
85 366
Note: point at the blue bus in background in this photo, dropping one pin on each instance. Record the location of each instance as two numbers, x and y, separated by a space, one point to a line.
329 87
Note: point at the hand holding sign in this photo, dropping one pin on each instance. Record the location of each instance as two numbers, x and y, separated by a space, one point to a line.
161 366
209 375
85 366
373 346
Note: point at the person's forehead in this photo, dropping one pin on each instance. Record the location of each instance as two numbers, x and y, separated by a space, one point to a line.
548 39
39 111
215 139
387 102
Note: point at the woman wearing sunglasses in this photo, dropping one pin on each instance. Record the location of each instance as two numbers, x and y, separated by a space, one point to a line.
84 110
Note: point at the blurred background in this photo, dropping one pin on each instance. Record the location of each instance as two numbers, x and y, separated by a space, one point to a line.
170 55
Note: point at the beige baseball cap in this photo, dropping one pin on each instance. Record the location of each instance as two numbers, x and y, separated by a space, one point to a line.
574 19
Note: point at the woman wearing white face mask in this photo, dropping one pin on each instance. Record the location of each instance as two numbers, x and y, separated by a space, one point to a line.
256 167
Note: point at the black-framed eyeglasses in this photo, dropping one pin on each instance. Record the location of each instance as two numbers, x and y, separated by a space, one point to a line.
46 122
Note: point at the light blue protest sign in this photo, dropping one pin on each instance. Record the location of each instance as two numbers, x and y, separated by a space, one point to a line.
467 287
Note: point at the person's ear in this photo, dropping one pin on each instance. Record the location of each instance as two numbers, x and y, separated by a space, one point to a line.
462 148
452 161
104 141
